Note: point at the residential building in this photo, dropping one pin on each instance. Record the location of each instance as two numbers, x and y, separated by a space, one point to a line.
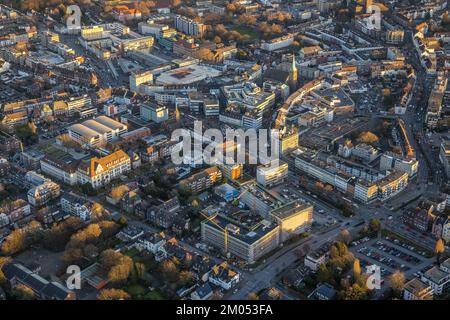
76 206
164 214
224 276
151 242
203 180
444 155
438 279
415 289
317 257
189 26
100 171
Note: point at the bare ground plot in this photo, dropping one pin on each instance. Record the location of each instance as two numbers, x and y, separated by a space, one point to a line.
50 262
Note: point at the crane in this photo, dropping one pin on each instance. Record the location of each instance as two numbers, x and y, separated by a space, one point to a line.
225 230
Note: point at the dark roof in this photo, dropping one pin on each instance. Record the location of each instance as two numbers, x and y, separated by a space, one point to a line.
204 290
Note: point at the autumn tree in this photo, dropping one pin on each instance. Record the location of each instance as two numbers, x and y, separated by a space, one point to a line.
186 277
356 269
169 271
368 137
72 255
113 294
356 292
247 19
345 236
118 192
3 261
253 296
119 266
23 292
109 228
397 281
15 242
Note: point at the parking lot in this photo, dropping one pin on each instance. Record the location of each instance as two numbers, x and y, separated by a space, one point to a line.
390 255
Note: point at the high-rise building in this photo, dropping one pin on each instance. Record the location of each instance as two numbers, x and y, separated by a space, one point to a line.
189 26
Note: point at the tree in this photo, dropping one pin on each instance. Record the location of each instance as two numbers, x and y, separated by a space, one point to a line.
368 137
169 271
253 296
345 236
356 269
16 241
139 269
23 292
72 255
3 261
186 277
374 225
439 248
109 228
113 294
355 292
397 281
118 192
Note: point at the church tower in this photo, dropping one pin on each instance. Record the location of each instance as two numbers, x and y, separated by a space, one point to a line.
293 75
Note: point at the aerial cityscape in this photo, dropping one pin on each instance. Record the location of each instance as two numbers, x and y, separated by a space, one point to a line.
224 150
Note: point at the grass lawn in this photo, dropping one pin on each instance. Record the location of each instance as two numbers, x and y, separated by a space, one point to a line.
132 252
154 295
135 290
243 30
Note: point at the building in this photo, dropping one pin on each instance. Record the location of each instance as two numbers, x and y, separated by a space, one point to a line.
189 26
97 132
76 206
243 234
203 180
61 166
416 289
164 215
138 78
41 194
444 155
100 171
437 279
151 242
365 152
317 257
293 218
278 43
435 99
273 174
154 112
123 13
224 276
288 141
248 95
17 274
231 171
